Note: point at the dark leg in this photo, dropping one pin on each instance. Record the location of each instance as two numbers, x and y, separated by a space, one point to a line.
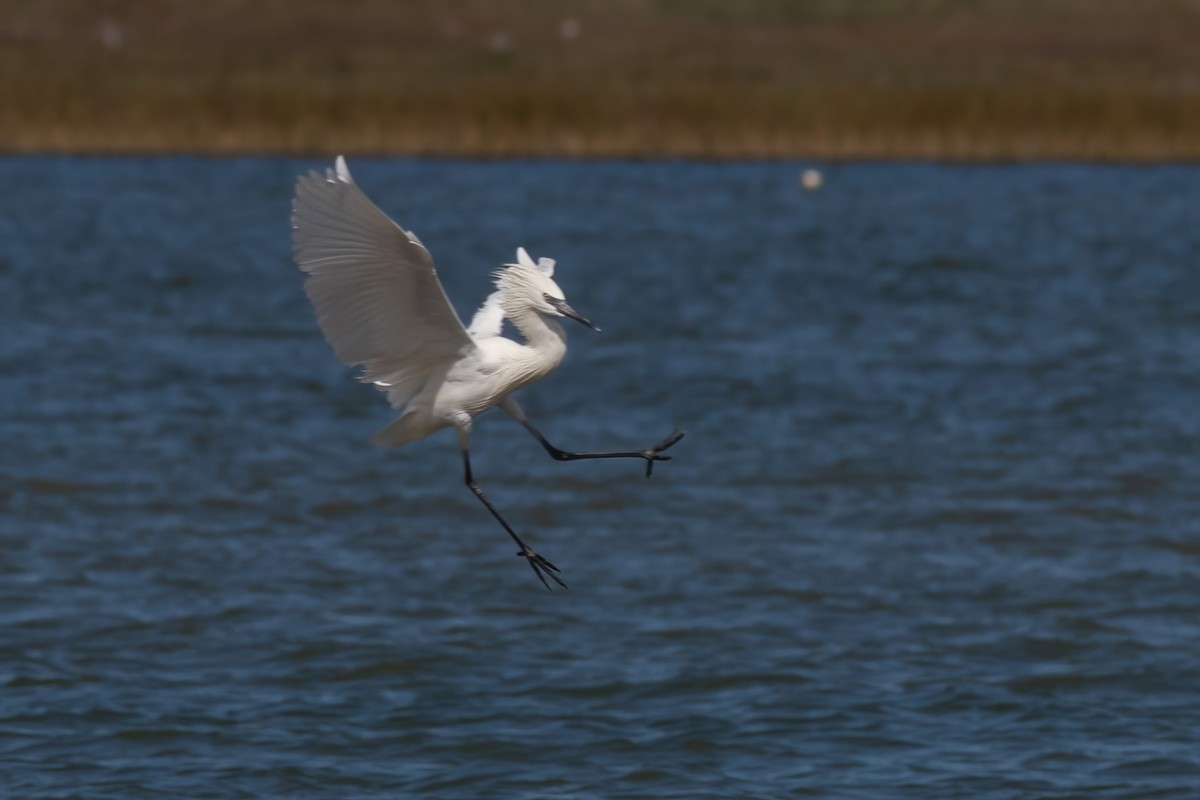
651 455
541 567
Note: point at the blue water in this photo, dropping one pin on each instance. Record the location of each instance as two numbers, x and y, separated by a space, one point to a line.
933 533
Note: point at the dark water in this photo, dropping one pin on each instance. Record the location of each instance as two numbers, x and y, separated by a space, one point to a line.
933 533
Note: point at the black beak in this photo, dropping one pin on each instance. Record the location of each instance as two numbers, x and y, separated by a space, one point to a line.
567 311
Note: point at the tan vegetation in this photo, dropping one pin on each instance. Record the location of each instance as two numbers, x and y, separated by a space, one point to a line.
1104 79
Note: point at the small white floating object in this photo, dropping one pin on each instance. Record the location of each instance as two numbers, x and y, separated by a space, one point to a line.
500 42
811 179
111 34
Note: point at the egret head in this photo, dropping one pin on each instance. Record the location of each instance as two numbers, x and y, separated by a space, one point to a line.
526 285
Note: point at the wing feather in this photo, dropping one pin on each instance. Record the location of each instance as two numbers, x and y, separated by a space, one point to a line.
373 284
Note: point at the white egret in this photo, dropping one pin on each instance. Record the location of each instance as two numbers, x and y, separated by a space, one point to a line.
380 305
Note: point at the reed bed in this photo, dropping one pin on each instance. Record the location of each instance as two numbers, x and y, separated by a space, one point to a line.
991 79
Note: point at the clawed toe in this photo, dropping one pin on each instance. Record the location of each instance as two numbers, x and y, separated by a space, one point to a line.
655 453
675 436
542 568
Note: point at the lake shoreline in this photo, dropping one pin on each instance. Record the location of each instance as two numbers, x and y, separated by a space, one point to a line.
1152 150
1102 81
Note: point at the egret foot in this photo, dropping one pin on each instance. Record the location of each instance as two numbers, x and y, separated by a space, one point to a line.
655 453
542 567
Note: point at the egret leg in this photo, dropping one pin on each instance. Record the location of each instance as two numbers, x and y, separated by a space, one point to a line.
651 454
510 406
541 567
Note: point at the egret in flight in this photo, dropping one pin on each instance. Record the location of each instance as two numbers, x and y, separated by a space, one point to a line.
380 305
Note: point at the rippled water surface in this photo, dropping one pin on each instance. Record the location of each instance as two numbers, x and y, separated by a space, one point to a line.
933 532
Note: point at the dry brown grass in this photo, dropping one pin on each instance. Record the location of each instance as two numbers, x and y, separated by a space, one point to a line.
1097 79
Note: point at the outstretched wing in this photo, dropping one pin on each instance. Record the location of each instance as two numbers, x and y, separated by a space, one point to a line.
373 284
